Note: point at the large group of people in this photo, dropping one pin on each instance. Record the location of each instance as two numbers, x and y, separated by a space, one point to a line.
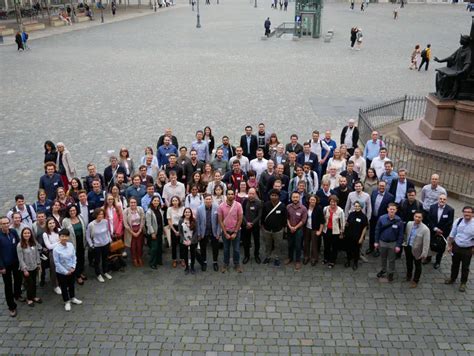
317 197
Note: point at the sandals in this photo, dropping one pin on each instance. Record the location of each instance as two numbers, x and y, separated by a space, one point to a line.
37 300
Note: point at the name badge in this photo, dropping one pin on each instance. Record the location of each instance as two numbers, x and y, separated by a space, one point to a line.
252 208
55 183
298 214
277 212
198 170
167 154
91 211
48 208
394 226
445 216
413 211
358 220
310 161
283 160
101 199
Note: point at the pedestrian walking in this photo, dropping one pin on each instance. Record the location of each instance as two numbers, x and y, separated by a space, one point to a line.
353 36
285 4
19 41
395 13
362 6
359 37
267 25
113 6
415 57
425 57
24 38
352 4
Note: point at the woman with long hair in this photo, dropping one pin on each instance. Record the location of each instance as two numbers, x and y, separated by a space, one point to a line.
134 223
64 200
75 186
188 238
51 239
207 175
43 204
114 216
209 138
154 226
99 238
272 144
313 230
29 257
120 200
196 181
337 161
173 214
333 230
149 152
77 236
371 181
50 153
126 162
218 196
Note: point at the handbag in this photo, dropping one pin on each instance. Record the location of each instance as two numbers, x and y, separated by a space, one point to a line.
116 246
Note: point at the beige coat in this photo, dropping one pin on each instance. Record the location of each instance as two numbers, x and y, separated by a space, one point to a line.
68 164
421 245
338 220
127 223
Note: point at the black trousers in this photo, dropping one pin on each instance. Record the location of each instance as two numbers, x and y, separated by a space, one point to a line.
411 260
215 249
30 284
330 246
247 240
184 254
202 255
424 61
80 258
353 248
12 282
100 255
66 283
461 255
175 244
373 223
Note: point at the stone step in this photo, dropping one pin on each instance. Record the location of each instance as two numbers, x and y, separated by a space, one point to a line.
82 19
34 27
7 32
57 23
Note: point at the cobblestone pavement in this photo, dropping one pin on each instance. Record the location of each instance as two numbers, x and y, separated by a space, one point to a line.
125 82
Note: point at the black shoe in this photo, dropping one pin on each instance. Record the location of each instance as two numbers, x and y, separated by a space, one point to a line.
355 266
42 283
258 260
193 271
390 277
408 278
436 265
347 264
381 274
186 271
216 267
276 263
376 253
449 281
266 261
153 267
368 251
204 267
246 260
426 260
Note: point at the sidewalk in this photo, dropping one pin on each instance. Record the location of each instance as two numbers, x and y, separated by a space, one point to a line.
121 15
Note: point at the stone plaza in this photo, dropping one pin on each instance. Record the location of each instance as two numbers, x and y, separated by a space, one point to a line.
123 83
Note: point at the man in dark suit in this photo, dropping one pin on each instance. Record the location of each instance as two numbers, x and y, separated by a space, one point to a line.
440 222
350 136
290 166
294 146
249 143
308 156
380 199
400 186
110 172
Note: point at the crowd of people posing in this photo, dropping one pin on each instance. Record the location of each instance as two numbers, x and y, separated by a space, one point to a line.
320 197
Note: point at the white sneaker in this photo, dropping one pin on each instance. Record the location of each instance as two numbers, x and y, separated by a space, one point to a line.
108 276
67 306
57 290
76 301
124 254
100 278
364 259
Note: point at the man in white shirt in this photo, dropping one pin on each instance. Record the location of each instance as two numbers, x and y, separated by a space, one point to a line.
244 161
27 213
317 145
259 164
173 188
378 163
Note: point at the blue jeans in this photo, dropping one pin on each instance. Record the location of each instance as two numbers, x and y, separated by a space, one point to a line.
236 249
295 241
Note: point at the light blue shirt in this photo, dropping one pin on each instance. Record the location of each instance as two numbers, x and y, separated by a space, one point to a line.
411 238
201 149
389 178
64 258
372 148
249 140
463 233
147 199
401 191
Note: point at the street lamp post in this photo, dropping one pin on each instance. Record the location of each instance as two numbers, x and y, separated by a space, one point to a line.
198 24
255 4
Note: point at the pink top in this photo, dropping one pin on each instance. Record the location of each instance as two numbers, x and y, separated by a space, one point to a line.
230 215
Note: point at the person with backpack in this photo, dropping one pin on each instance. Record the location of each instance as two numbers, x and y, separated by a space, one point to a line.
28 215
267 25
425 57
24 38
19 43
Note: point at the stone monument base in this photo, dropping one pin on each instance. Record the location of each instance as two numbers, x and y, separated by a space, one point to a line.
450 120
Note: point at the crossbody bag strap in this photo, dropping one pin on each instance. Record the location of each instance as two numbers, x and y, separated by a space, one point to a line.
271 211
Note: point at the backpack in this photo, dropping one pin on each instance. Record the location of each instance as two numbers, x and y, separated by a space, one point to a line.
423 53
28 209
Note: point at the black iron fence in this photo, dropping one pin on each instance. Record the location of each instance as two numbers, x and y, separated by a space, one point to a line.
375 117
457 176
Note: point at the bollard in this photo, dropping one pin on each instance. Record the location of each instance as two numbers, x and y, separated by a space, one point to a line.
1 39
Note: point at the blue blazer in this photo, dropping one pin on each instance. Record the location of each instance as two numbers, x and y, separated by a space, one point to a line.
201 220
313 159
387 199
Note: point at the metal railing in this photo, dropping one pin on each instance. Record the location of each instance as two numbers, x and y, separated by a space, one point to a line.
285 27
456 175
374 117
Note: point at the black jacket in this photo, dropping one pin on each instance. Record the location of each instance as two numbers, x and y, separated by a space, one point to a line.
445 223
317 218
387 199
289 148
355 134
393 187
253 146
276 221
109 174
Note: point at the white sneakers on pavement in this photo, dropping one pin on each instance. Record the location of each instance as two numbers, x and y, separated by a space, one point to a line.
57 290
100 278
76 301
108 276
67 306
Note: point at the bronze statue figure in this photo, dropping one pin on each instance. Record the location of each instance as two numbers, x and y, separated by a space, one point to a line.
459 66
